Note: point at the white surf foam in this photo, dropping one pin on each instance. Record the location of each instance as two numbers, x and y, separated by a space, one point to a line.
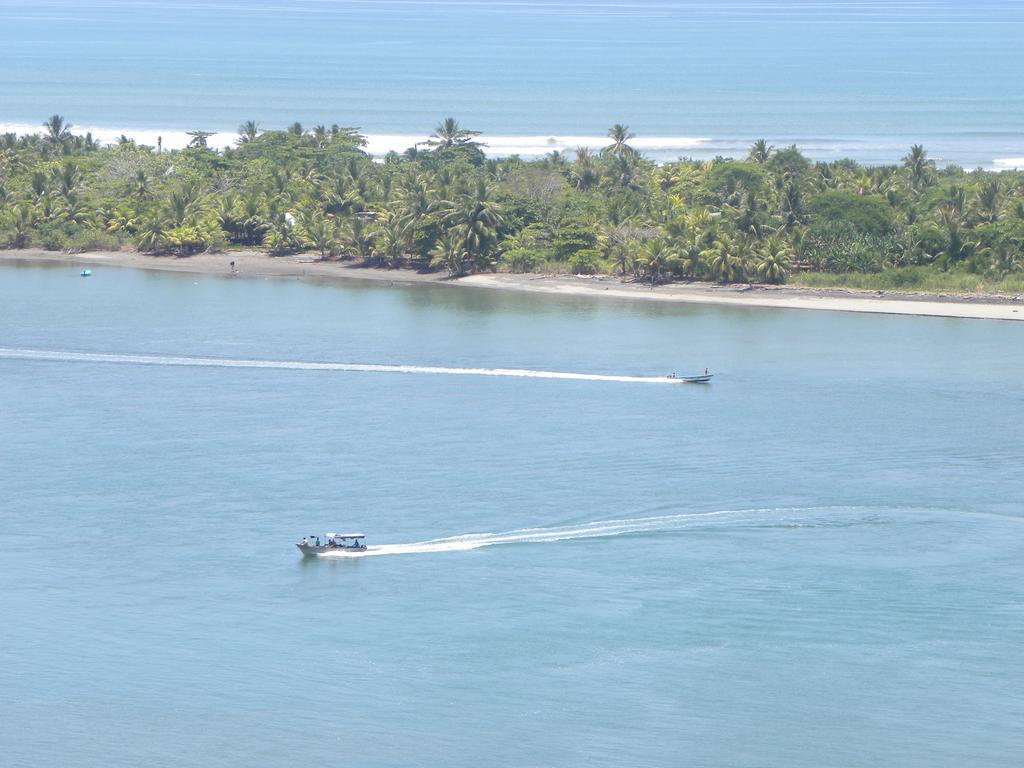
12 353
538 146
379 144
1008 163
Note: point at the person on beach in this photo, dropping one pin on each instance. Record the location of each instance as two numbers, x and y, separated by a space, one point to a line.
232 267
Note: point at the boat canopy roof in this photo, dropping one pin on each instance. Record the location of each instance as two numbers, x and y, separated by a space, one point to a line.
345 535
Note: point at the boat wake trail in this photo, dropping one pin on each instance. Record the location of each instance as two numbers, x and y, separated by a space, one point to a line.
12 353
775 517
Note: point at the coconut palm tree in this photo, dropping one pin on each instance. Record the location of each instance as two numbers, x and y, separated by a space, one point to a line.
322 234
22 222
792 211
955 204
450 254
956 245
198 140
620 136
1006 259
58 132
247 132
138 187
919 166
477 218
449 133
657 259
152 235
358 237
990 201
584 174
66 179
726 260
184 204
760 151
774 261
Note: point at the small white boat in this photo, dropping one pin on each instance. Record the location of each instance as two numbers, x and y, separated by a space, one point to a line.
86 273
699 379
332 543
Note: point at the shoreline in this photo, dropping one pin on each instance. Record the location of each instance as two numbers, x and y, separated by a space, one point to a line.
877 151
256 264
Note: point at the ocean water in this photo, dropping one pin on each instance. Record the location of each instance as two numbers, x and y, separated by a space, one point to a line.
816 560
692 77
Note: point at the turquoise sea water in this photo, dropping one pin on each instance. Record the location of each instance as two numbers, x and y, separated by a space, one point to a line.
817 560
862 79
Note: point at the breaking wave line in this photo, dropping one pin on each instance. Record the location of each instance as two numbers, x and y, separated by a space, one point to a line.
11 353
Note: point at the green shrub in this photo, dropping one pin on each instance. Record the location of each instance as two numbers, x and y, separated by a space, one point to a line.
585 262
91 240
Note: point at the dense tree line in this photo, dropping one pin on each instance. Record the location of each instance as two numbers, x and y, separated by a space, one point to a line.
445 205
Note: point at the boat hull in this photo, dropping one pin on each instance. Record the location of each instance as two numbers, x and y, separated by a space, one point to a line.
692 379
312 550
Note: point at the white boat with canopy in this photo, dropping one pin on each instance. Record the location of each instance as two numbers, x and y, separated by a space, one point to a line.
331 543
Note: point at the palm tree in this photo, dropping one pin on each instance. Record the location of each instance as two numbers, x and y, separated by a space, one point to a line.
656 259
450 253
760 151
990 201
139 185
956 247
152 235
38 184
389 247
920 167
66 179
184 204
415 206
73 211
198 140
620 135
20 232
477 218
791 209
955 203
450 134
358 237
584 174
321 234
1005 259
774 262
247 132
57 131
726 261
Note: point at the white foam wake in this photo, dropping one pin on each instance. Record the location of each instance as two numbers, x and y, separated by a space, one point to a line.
12 353
598 529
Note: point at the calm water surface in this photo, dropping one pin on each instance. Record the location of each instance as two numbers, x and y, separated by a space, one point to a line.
817 560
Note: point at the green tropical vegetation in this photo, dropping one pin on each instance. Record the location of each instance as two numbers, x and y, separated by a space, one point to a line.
771 217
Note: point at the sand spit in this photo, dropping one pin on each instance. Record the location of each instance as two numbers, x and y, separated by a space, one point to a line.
254 264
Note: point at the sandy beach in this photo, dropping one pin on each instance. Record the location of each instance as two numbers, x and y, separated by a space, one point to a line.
254 264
